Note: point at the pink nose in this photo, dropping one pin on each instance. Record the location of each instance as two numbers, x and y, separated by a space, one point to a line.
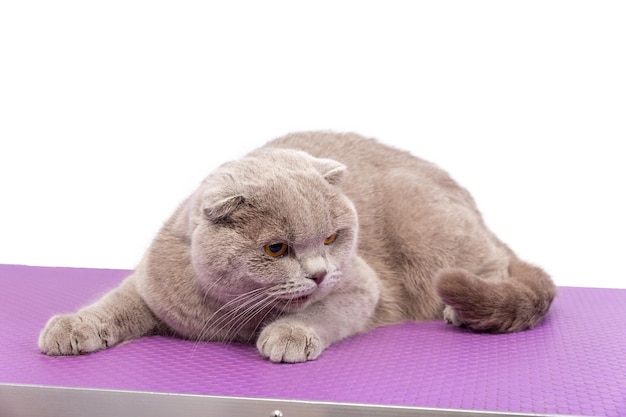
317 277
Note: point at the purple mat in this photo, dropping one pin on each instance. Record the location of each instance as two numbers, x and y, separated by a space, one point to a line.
572 363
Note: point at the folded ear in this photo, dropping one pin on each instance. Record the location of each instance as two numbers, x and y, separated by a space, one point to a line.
218 209
331 170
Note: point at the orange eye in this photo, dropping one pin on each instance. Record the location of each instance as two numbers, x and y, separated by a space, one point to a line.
276 249
330 239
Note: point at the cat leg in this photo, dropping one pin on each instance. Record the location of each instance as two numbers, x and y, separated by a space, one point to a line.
119 315
303 336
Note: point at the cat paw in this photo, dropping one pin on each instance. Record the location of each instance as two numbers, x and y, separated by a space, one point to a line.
72 334
450 316
291 343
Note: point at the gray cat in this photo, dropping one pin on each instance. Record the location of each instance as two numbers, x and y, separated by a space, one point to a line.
308 240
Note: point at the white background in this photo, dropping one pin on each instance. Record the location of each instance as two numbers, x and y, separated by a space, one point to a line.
112 112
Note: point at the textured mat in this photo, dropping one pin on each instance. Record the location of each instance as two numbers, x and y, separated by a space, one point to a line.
573 363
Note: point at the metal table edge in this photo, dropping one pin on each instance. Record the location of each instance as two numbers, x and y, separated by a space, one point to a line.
22 400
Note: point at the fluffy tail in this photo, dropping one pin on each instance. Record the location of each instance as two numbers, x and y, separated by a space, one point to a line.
516 304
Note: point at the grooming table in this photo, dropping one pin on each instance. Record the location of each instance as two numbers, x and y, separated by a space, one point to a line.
573 363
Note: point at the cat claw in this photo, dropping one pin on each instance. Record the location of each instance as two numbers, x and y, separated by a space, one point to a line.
71 334
290 343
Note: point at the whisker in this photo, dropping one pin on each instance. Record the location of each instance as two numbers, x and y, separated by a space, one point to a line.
242 315
239 322
232 317
282 311
225 306
247 305
204 334
225 323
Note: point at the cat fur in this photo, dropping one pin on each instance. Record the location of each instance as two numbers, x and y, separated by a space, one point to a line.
410 245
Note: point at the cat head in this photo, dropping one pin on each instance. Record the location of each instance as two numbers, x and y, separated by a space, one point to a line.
272 229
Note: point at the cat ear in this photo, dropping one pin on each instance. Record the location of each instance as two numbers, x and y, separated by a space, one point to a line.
331 170
222 209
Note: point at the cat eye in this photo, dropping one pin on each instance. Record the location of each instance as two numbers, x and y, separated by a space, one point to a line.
276 249
330 239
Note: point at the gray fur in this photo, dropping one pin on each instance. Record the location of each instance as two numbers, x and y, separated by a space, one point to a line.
409 239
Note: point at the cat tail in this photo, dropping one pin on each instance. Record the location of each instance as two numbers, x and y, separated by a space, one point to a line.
510 305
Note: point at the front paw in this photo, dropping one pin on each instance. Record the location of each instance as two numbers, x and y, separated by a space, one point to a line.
289 342
73 334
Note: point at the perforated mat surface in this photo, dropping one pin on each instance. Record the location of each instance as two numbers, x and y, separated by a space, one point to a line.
572 363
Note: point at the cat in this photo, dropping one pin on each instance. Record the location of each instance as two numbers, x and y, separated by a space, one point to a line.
310 239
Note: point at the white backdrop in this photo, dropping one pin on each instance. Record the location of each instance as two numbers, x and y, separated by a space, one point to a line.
112 112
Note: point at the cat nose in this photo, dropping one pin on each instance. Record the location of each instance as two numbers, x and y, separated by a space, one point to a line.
317 276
